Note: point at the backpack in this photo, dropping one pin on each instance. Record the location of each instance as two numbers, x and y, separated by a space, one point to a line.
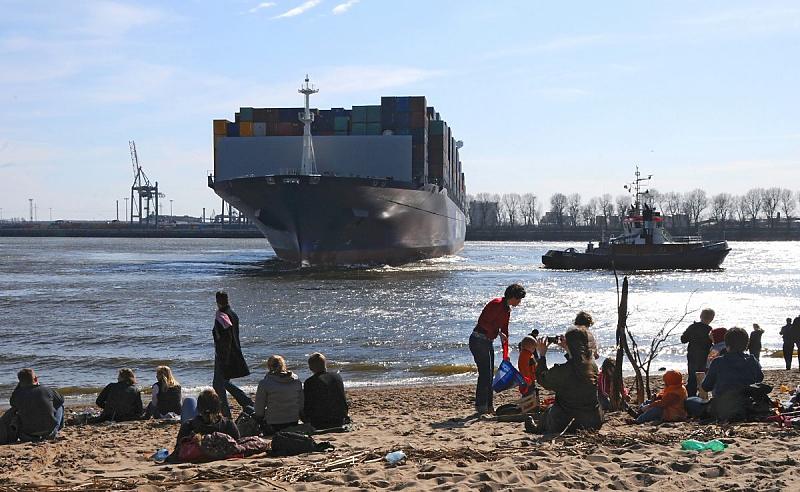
291 444
218 446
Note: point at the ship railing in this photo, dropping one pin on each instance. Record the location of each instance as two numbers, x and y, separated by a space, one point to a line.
686 239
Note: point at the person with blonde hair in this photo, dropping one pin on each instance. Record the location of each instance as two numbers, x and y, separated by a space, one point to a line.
279 398
166 395
325 403
122 400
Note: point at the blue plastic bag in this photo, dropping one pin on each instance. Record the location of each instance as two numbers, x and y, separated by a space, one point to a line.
507 377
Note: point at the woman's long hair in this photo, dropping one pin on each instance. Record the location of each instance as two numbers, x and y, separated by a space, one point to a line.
581 356
165 377
209 406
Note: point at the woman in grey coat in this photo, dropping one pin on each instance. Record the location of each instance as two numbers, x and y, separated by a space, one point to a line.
279 398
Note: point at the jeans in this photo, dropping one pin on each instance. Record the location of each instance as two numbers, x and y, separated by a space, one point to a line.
695 406
188 409
650 415
221 385
483 352
691 378
788 349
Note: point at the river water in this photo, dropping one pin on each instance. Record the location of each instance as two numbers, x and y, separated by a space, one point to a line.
77 309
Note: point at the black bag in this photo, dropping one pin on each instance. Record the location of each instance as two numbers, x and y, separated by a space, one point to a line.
758 404
247 425
291 444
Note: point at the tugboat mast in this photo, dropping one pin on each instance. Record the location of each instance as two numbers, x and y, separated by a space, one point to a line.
308 165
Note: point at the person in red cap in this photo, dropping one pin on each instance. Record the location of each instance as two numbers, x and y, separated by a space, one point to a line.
717 345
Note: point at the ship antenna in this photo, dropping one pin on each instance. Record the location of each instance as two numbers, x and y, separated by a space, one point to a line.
308 165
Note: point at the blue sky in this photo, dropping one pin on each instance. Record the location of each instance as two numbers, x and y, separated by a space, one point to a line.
547 96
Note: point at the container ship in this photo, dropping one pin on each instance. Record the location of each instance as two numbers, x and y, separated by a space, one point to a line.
377 184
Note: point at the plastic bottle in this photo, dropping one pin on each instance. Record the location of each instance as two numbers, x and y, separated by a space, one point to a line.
395 457
693 445
160 455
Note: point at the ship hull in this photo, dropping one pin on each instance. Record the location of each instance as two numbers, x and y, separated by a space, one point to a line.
327 220
698 256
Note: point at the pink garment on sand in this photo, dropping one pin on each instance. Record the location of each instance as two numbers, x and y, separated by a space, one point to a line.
224 320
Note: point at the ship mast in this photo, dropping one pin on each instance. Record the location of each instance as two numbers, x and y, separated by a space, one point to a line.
308 165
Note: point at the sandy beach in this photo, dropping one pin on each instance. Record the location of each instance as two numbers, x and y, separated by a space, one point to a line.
446 448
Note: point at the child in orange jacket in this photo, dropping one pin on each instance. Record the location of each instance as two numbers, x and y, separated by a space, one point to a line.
526 365
667 406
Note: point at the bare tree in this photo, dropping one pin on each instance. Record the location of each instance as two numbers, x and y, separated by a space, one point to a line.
740 207
673 202
606 207
558 204
512 203
574 208
623 203
770 198
788 205
529 208
722 208
696 203
587 213
753 201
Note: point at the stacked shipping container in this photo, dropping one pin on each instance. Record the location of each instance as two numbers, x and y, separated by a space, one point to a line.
435 157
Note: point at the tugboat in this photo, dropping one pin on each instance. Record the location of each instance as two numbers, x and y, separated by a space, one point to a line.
643 245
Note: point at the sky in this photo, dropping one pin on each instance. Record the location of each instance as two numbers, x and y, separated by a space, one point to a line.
547 96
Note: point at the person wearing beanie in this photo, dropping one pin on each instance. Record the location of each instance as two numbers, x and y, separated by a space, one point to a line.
718 347
667 406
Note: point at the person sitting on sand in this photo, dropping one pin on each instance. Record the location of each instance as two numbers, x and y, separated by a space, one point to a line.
729 374
754 346
585 320
697 336
526 364
36 413
788 343
718 347
493 322
325 403
668 405
574 384
166 397
120 401
279 397
209 419
604 384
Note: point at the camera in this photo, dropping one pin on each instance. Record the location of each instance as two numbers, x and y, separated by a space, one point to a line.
553 338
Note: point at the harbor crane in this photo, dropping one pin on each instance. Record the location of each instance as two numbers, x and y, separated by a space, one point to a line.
141 188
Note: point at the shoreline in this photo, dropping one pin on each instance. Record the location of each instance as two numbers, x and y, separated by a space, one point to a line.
446 448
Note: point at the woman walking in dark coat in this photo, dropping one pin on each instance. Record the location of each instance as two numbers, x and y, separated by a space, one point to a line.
229 362
754 345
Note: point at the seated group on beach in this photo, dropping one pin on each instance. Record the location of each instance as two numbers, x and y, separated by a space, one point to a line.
718 358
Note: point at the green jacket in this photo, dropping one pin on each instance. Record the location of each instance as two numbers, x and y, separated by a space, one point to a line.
576 396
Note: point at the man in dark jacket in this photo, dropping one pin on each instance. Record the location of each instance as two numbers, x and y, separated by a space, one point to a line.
325 404
729 375
699 340
788 342
39 410
229 361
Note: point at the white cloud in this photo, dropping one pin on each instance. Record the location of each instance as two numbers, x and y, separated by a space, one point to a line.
344 7
262 5
300 9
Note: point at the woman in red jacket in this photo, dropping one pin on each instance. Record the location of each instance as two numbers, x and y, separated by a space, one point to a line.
493 322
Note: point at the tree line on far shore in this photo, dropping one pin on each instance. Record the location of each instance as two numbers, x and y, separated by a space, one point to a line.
758 207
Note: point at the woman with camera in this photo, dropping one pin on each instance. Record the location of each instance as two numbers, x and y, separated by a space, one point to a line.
574 384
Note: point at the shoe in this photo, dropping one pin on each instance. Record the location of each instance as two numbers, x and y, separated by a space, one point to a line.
531 426
249 410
